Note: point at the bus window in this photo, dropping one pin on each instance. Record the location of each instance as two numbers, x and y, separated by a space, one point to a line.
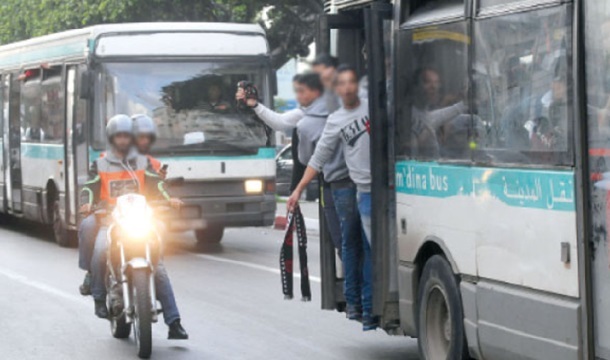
31 120
192 104
433 118
53 106
522 87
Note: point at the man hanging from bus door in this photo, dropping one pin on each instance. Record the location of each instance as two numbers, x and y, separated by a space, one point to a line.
122 158
339 191
309 121
349 127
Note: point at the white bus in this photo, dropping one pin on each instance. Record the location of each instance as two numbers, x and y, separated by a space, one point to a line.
491 185
59 90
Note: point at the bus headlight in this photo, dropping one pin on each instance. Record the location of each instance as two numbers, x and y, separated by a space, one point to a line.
254 186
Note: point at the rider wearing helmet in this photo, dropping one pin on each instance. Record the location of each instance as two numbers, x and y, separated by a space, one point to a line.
121 171
145 133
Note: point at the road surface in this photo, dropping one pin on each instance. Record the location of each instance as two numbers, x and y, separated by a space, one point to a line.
229 296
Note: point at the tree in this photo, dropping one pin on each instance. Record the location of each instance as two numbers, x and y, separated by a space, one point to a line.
290 24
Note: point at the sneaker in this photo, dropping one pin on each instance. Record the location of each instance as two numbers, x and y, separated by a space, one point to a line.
370 322
177 332
85 288
354 312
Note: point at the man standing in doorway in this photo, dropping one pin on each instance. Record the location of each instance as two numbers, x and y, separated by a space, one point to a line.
309 121
349 127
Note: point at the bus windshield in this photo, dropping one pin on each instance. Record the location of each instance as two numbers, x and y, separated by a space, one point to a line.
192 103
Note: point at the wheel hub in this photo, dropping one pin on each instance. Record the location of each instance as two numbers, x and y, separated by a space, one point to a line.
438 324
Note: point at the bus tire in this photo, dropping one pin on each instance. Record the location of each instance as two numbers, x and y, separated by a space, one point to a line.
63 237
440 315
211 235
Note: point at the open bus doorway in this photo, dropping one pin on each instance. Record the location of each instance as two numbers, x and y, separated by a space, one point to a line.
363 38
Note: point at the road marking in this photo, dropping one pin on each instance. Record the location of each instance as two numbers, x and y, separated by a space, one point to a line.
41 286
252 266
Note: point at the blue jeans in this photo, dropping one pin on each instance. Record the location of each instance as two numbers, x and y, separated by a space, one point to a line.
332 218
87 232
365 208
351 229
165 292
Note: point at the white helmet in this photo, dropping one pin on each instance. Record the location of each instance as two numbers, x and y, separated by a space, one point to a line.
119 124
144 125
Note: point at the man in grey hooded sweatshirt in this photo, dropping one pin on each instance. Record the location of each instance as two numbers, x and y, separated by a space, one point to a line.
309 121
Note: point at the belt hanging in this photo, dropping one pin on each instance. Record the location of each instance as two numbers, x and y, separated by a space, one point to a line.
295 223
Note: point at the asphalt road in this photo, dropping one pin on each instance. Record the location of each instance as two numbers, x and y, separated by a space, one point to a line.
229 296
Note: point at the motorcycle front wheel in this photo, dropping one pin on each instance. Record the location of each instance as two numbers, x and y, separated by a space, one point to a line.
142 324
119 327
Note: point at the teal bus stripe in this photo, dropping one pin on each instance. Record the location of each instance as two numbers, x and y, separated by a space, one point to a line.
42 151
538 189
263 154
44 54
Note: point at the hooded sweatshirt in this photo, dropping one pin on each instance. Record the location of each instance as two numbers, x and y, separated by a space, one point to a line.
309 122
349 128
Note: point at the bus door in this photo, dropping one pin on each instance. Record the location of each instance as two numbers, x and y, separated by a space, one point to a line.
361 37
13 131
70 163
349 30
594 81
4 149
77 152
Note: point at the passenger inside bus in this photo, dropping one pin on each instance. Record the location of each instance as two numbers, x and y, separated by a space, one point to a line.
431 113
214 101
188 103
522 89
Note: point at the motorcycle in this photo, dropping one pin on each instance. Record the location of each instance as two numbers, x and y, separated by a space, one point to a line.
134 250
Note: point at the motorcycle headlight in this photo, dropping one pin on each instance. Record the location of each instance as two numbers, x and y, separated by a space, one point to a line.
136 227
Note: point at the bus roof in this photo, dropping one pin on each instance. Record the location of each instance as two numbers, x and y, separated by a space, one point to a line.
78 43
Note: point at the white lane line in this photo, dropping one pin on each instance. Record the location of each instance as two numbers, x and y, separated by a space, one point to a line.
41 286
252 266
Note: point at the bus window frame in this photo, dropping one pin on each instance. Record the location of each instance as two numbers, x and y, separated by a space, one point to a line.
63 91
99 87
514 7
471 25
404 28
572 150
435 16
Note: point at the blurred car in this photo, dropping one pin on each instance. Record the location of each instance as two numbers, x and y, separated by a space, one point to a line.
284 166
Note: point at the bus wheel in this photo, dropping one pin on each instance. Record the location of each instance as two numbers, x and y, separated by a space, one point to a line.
63 237
211 235
440 315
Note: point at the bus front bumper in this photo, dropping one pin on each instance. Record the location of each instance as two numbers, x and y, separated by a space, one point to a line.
240 211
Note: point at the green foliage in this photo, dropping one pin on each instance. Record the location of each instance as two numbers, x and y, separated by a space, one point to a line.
291 30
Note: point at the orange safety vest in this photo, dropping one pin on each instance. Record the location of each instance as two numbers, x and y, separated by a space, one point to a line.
156 164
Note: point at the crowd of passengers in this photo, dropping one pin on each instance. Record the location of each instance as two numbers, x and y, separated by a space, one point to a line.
450 126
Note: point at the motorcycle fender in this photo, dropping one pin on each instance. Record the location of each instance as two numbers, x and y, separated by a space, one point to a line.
137 264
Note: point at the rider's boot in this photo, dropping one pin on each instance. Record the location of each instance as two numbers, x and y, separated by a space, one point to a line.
177 332
101 310
85 288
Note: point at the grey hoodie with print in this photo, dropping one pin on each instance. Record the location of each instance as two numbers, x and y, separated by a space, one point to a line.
350 129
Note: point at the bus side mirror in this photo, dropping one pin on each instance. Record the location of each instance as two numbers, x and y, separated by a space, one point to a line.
86 85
